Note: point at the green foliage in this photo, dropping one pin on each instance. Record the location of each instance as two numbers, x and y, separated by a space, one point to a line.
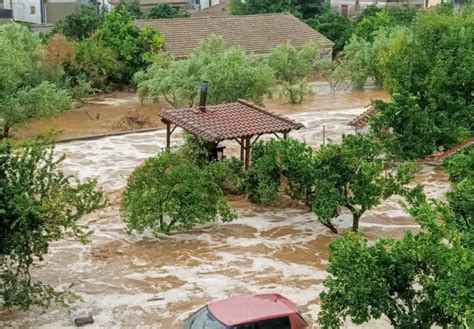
130 7
292 67
460 167
412 132
299 8
166 11
134 48
333 26
416 64
359 61
262 180
99 63
170 193
356 175
461 164
334 71
277 159
368 26
420 281
195 149
81 25
25 91
404 16
38 205
231 74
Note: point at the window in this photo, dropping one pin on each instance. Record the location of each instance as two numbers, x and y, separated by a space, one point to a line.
345 10
280 323
32 10
203 319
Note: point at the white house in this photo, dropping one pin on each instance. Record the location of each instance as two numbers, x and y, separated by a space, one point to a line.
351 8
46 11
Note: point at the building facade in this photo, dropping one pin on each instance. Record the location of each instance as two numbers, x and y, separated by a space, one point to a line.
352 8
45 11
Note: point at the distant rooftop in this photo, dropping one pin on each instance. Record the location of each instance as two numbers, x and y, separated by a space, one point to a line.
362 120
255 33
456 148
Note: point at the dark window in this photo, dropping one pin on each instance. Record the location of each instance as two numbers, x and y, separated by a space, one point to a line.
279 323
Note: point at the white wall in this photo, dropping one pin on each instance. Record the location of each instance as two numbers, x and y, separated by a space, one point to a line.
205 3
22 10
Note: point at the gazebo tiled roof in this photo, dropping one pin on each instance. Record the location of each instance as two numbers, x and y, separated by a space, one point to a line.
229 121
362 120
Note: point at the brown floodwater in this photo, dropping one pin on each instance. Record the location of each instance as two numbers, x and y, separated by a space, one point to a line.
104 114
131 280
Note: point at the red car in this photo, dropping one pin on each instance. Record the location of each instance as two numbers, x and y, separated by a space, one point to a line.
271 311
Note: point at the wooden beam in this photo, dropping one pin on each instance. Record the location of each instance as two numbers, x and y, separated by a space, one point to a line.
242 146
168 135
258 136
247 152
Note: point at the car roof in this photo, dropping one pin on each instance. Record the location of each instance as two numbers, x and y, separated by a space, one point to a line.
244 309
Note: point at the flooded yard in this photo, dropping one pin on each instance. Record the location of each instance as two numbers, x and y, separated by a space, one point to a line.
129 280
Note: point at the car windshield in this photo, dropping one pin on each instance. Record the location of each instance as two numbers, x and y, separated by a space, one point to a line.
203 319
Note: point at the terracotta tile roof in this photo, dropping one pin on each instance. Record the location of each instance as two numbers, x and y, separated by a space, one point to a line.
456 148
362 120
254 33
229 121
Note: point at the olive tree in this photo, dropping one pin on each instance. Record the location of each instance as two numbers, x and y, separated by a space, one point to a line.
171 193
28 87
230 72
422 280
38 205
357 175
292 67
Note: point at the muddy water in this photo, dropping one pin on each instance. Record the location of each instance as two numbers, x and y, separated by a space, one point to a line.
129 280
103 115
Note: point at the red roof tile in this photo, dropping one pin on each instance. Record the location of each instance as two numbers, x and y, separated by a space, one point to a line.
229 121
257 34
456 148
362 120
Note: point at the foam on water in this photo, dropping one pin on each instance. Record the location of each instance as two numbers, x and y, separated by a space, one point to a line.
139 280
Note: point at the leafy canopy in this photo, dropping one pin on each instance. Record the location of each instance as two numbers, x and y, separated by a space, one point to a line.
300 8
166 11
292 67
170 193
28 88
178 81
38 205
422 280
82 24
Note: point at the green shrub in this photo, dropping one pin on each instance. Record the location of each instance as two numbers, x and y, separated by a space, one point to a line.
170 193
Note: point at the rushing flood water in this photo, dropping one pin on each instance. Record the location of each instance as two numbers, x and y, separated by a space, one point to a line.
129 280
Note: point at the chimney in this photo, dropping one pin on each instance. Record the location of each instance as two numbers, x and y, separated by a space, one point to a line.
203 98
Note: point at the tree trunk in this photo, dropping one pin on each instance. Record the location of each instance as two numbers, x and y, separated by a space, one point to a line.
330 226
355 222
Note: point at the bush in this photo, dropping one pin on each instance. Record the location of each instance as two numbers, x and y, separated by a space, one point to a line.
38 205
99 63
169 193
231 74
333 26
81 25
292 67
166 11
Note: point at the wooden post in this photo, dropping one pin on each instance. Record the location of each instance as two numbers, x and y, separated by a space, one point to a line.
247 153
242 146
285 135
168 135
324 134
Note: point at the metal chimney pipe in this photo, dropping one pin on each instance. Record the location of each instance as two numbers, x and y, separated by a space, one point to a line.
203 98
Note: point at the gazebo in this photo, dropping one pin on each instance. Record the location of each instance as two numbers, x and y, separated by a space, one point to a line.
241 121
